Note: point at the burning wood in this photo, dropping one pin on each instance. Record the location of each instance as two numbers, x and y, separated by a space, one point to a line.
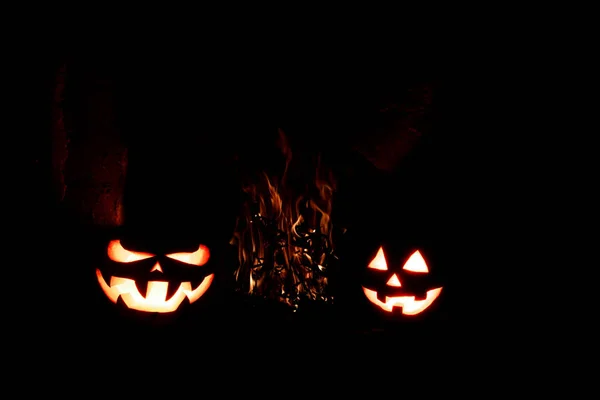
284 235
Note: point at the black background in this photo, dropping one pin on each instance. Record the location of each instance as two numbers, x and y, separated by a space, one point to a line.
322 110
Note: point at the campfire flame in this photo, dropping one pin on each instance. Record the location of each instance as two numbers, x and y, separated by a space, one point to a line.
284 235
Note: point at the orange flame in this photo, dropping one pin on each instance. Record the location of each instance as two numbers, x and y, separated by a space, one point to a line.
284 236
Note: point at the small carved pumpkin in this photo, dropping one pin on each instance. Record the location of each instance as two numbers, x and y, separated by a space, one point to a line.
400 282
155 282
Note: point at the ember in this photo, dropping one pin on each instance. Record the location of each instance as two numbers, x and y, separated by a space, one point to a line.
284 235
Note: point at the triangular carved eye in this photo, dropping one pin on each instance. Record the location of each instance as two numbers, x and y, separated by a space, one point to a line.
117 252
378 262
416 263
198 258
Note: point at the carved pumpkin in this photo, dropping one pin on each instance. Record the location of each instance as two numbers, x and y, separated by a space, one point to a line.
155 282
399 281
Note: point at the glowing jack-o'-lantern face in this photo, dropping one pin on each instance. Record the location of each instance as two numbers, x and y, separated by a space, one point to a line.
154 283
402 288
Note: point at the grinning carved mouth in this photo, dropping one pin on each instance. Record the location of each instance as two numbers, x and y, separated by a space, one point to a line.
158 296
410 305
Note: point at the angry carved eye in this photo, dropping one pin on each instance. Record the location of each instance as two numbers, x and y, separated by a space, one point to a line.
117 252
199 257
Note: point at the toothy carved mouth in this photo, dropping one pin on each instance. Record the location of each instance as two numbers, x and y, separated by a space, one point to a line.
410 306
158 296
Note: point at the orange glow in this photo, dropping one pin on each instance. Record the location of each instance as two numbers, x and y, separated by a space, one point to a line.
416 263
378 261
394 281
155 296
300 211
116 252
157 267
199 257
409 305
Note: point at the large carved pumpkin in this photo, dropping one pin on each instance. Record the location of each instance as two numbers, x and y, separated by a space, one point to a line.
155 282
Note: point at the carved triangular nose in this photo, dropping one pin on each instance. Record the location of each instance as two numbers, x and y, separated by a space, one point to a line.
394 281
156 268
